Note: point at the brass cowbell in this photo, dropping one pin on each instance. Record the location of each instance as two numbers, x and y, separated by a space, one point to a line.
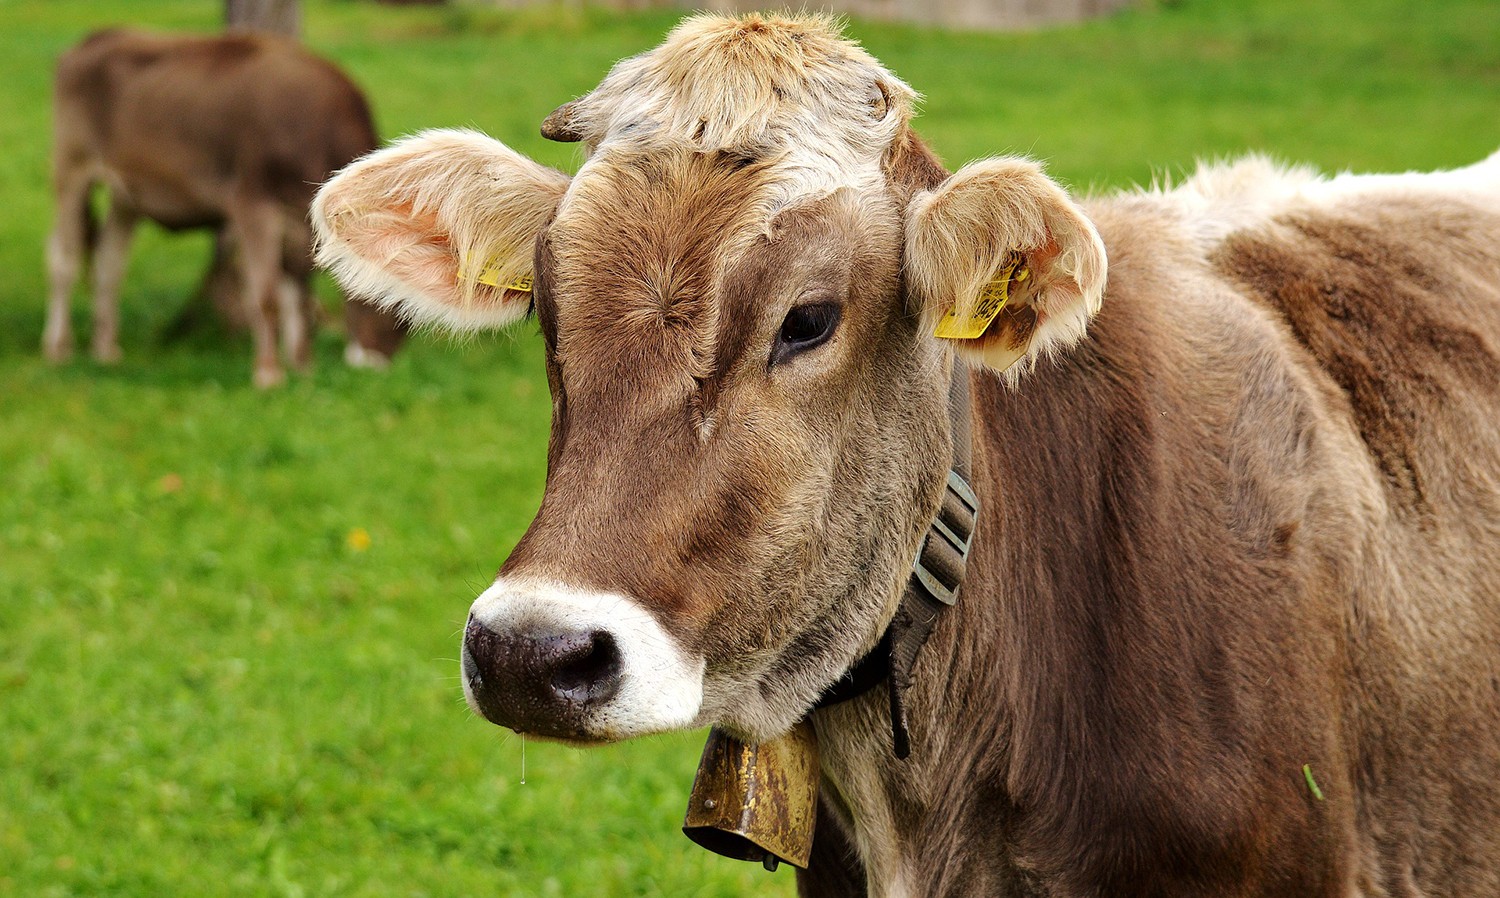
757 802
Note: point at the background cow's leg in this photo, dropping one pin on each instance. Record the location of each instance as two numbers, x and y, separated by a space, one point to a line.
834 870
110 259
67 250
217 302
221 288
296 322
257 227
299 312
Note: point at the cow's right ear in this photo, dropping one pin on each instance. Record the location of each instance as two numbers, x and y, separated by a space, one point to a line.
439 227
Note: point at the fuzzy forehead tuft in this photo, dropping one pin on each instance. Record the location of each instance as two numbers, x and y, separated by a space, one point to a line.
696 148
654 283
790 88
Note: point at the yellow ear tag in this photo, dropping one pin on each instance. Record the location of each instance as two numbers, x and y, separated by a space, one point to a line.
490 275
992 298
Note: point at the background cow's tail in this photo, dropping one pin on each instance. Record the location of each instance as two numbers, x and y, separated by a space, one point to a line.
74 193
79 93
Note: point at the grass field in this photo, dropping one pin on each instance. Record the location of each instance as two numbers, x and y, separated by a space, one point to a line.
229 620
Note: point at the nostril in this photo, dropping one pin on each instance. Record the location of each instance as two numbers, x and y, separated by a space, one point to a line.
478 643
539 681
588 669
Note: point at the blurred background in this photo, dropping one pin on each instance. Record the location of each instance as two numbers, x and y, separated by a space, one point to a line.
229 618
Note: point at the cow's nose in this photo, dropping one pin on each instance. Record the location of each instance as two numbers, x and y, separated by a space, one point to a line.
539 681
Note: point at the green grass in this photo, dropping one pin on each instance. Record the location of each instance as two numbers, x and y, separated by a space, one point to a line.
207 688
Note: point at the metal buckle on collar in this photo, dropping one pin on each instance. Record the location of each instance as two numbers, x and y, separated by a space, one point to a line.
944 552
936 574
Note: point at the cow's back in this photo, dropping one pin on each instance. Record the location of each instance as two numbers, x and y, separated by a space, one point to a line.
182 123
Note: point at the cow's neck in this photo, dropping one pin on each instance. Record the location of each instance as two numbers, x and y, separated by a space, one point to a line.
897 812
934 584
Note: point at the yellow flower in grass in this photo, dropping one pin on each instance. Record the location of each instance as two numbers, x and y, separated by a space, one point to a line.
358 539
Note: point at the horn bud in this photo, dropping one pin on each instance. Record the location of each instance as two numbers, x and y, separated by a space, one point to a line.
559 126
757 802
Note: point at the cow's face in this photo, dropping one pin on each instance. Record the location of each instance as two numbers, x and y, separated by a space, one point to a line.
748 434
749 411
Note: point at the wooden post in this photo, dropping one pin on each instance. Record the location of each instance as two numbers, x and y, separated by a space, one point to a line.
280 16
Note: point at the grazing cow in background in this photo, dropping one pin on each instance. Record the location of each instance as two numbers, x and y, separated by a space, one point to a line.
231 133
1231 621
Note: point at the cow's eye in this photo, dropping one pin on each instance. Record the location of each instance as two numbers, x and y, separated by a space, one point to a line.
805 327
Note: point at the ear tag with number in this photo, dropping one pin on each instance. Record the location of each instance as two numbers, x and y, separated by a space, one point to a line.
992 298
490 276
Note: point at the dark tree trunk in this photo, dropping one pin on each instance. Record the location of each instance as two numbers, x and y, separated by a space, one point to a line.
280 16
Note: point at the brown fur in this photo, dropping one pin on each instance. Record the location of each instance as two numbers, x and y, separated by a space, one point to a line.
1200 569
231 132
639 325
1145 655
1244 527
1362 296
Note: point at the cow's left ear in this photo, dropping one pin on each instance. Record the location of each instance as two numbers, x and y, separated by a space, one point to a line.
440 227
1003 263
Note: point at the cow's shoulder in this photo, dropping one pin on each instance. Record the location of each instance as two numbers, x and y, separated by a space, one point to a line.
1391 287
1383 288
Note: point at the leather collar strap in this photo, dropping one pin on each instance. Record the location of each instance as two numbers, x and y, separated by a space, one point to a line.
936 575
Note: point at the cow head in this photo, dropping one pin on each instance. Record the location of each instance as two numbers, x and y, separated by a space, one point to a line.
737 292
374 334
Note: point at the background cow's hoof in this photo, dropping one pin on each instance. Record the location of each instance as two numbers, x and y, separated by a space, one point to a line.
57 351
269 378
107 353
356 356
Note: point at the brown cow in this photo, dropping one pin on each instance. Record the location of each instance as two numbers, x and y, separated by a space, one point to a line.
232 133
1237 531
